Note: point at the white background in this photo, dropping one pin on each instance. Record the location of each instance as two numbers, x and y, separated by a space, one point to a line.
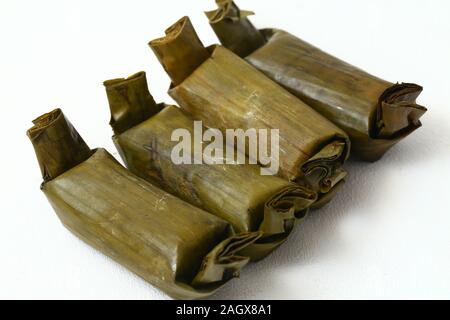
386 235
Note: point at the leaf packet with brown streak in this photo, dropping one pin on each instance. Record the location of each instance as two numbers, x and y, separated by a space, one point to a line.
225 92
183 250
375 113
237 193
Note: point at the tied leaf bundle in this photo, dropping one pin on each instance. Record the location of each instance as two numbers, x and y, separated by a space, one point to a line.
236 193
375 113
224 92
181 249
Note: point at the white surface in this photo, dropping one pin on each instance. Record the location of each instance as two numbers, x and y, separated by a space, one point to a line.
387 234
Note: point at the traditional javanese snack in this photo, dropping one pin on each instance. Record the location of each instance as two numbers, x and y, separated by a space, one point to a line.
376 114
183 250
238 193
225 92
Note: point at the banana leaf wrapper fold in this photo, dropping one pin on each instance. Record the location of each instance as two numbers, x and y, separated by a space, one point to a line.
375 113
225 92
237 193
183 250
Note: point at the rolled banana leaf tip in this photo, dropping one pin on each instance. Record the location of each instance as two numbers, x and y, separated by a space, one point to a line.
399 110
224 262
118 81
233 29
57 144
130 101
180 51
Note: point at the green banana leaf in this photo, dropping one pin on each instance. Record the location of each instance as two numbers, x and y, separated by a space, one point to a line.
375 113
225 92
183 250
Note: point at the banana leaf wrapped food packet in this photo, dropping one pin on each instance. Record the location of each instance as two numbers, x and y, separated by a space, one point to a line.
375 113
216 86
238 193
181 249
